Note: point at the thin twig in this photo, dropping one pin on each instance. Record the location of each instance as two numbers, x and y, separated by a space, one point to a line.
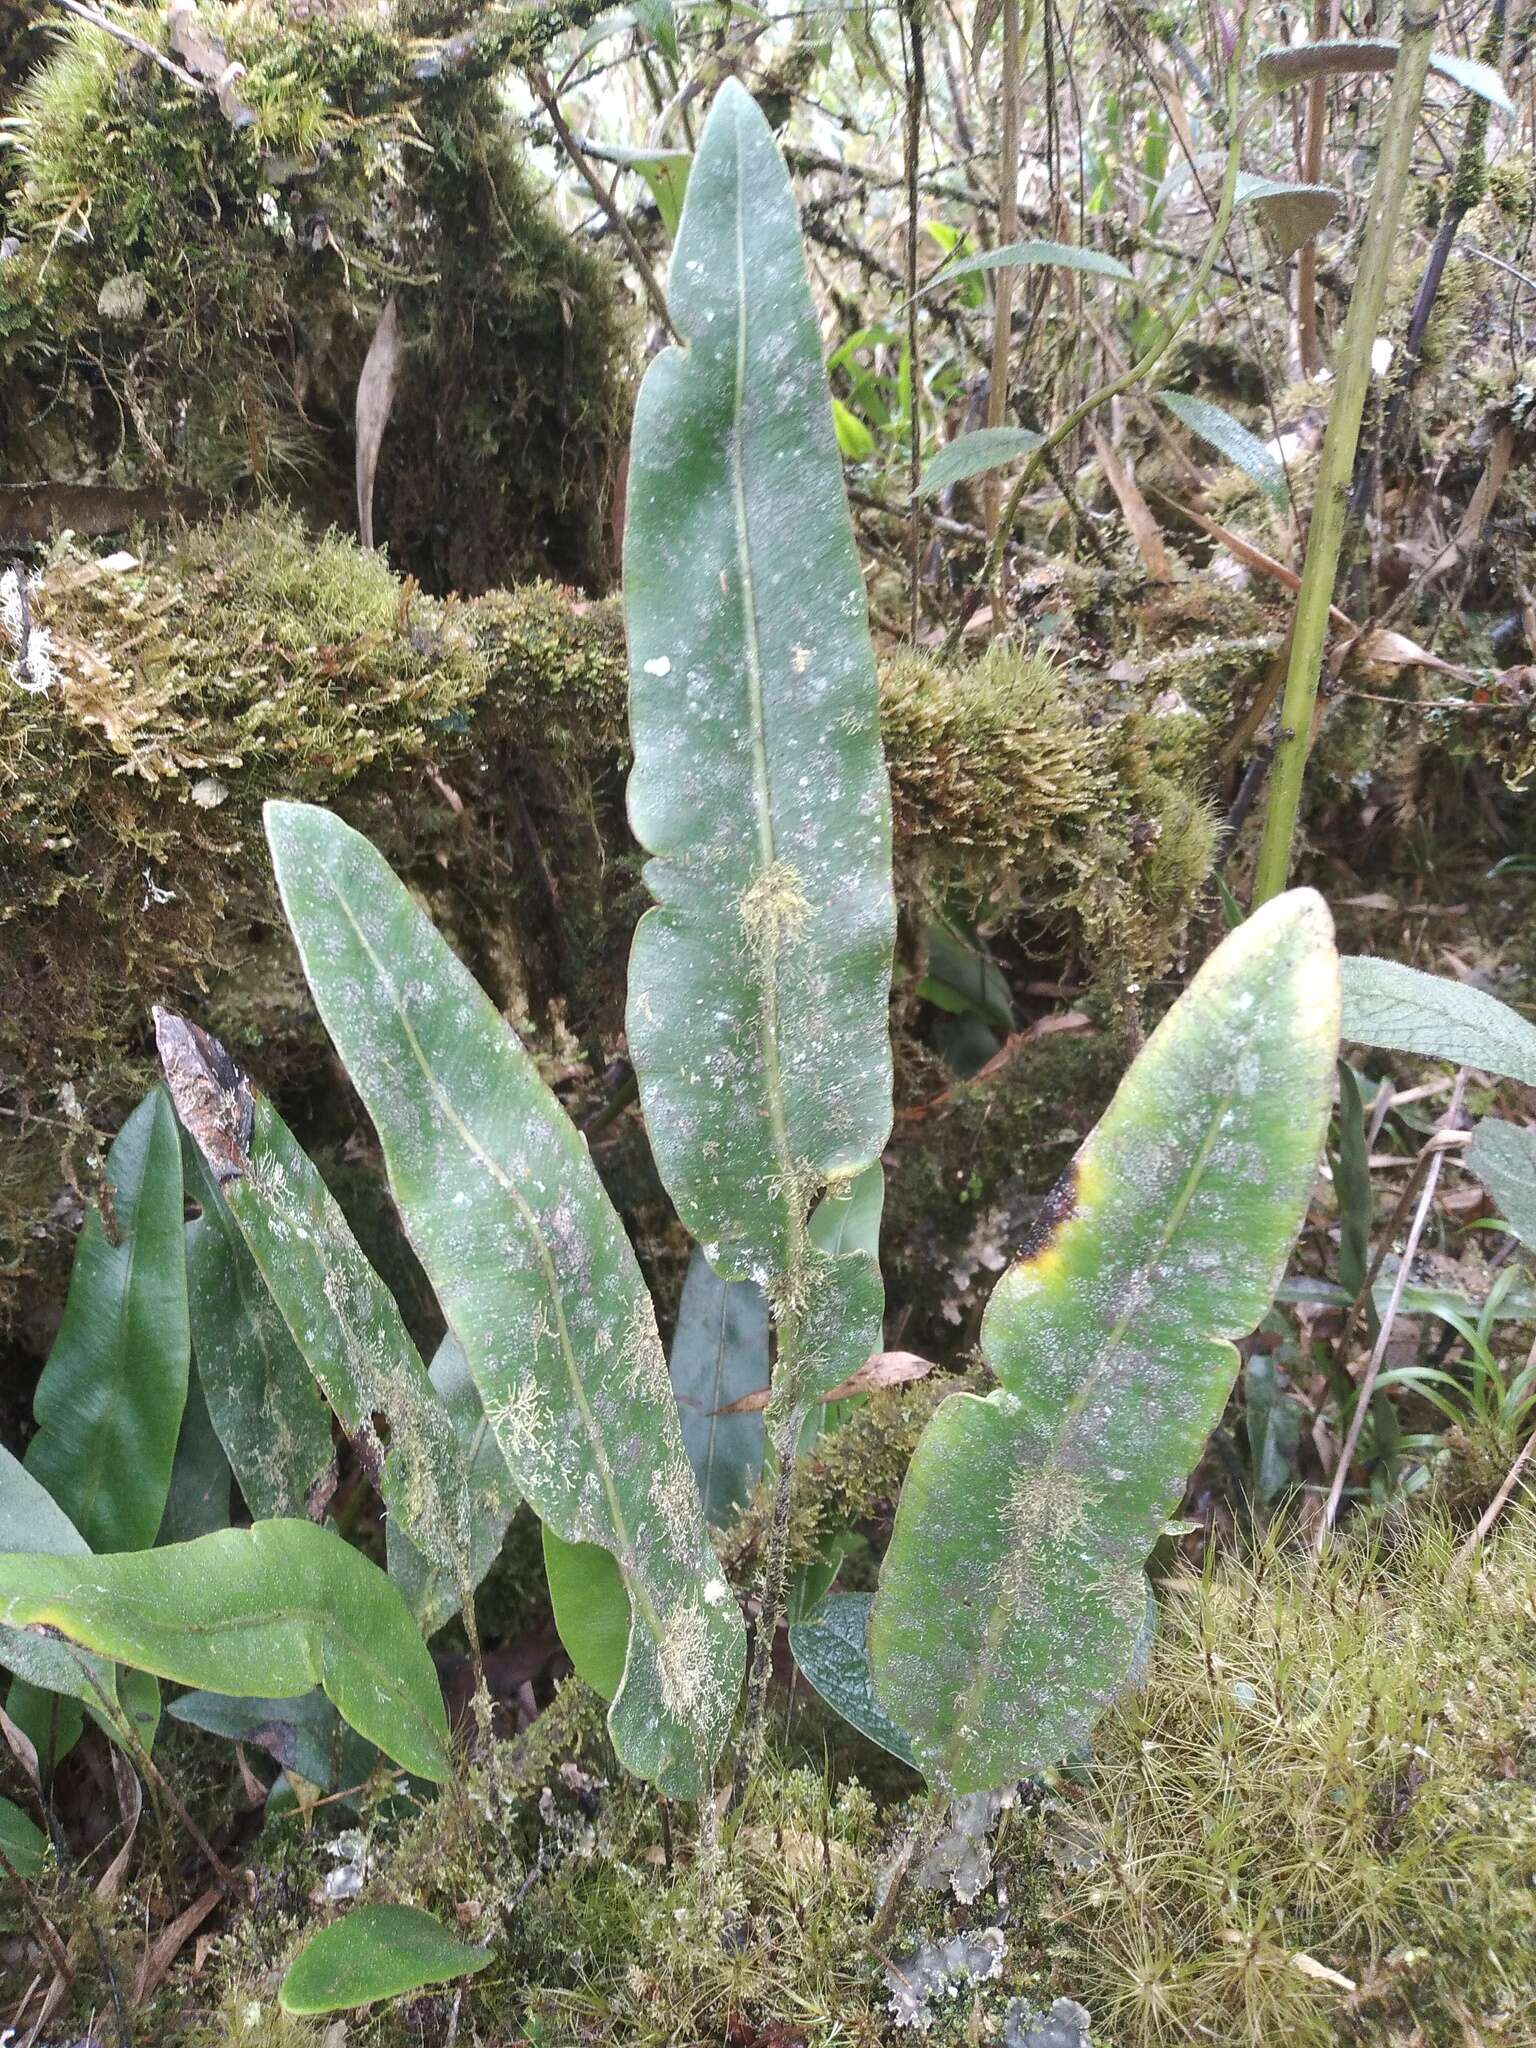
1435 1151
1497 1505
123 35
538 78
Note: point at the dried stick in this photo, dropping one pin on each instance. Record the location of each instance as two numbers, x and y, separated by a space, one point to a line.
1500 1500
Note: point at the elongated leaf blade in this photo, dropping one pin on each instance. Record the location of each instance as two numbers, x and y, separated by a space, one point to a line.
1503 1157
375 1952
345 1323
23 1841
1012 1594
831 1649
1406 1010
976 454
199 1497
270 1611
493 1496
534 1273
1358 55
758 985
267 1410
31 1519
1231 440
109 1402
303 1734
1019 255
719 1353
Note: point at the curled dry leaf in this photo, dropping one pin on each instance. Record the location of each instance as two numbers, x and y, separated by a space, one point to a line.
883 1369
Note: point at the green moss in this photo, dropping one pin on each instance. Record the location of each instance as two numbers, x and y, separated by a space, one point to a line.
1337 1765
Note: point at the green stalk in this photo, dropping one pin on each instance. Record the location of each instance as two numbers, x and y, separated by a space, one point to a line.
1352 374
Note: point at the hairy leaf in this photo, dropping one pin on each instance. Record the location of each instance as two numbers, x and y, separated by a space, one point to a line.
534 1273
720 1353
975 454
831 1649
1231 440
345 1322
1292 213
269 1414
1503 1157
1012 1593
267 1612
375 1952
109 1402
759 982
1406 1010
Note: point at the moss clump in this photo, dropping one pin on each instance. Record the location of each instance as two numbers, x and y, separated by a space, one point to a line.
1329 1771
190 299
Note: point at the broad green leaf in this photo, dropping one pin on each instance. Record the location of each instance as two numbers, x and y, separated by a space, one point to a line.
831 1650
534 1273
198 1501
493 1496
845 1231
960 978
375 1952
720 1353
1273 1422
975 454
269 1414
303 1733
586 1591
1503 1157
345 1322
1012 1593
1356 1192
759 983
22 1842
31 1519
1015 255
1292 213
270 1611
1231 440
854 440
109 1402
1355 55
1406 1010
660 23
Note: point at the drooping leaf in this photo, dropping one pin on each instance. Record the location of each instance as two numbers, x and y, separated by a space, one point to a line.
831 1650
345 1322
758 984
1231 440
1503 1157
534 1273
1012 1593
960 977
109 1402
1406 1010
375 1952
665 172
493 1496
719 1353
303 1734
845 1233
22 1841
1356 55
198 1501
31 1519
1356 1192
269 1414
974 454
586 1591
1273 1422
1016 255
1294 214
270 1611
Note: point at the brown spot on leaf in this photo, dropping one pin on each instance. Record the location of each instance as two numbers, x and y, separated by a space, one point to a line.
213 1098
1052 1216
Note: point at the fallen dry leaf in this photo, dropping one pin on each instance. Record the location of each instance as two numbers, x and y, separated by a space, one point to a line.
882 1369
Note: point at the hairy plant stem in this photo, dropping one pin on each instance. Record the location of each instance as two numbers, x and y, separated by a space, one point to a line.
1352 373
913 1854
786 1439
1144 364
